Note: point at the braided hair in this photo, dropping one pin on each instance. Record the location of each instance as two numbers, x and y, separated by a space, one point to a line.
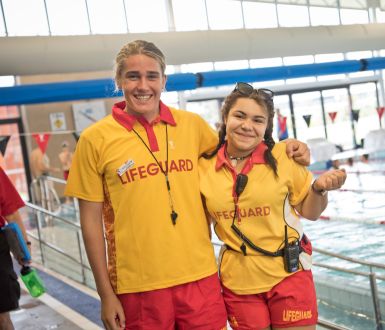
264 101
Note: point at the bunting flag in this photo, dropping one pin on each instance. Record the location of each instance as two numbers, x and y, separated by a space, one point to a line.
355 115
282 128
307 119
3 143
332 115
42 141
380 111
76 135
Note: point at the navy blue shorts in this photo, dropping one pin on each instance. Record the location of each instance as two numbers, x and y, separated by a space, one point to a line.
9 286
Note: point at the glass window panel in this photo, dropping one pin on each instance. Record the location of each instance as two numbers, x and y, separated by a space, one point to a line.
208 110
2 25
107 16
294 60
323 3
272 83
62 12
146 16
359 55
7 81
337 100
322 58
170 69
361 74
259 15
189 15
282 106
331 77
354 16
287 13
380 15
224 14
231 65
359 4
301 80
171 99
308 104
293 2
266 62
25 17
324 16
197 67
364 99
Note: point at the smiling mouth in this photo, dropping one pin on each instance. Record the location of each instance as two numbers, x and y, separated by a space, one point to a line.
143 98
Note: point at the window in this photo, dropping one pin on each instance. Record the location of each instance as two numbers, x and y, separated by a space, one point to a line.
224 14
25 17
68 17
146 16
324 16
259 15
354 16
337 100
107 16
308 104
189 15
286 13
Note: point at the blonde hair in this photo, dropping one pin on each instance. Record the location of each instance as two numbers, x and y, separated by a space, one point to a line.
137 47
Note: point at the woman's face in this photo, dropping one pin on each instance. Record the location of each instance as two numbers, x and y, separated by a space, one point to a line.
142 82
246 124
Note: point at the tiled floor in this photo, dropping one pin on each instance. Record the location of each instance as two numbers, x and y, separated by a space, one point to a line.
35 315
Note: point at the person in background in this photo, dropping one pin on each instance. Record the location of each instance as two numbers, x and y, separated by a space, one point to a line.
40 164
10 203
135 174
65 157
253 193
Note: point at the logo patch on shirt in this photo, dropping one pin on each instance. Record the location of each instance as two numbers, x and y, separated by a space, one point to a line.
123 169
171 144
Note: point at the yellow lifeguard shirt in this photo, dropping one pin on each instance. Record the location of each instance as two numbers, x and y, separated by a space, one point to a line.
265 207
111 164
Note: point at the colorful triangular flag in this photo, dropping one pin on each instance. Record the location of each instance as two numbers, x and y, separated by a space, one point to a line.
380 111
282 128
355 115
3 143
42 140
307 119
332 115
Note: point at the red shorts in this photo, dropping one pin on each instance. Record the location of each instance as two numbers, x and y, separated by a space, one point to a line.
66 174
290 303
194 305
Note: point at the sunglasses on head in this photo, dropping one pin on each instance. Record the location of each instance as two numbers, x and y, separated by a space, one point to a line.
247 89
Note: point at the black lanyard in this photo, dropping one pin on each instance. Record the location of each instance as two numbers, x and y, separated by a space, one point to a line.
173 214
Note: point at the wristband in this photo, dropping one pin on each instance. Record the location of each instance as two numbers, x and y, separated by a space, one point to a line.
318 192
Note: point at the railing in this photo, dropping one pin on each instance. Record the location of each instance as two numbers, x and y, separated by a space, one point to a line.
371 275
49 216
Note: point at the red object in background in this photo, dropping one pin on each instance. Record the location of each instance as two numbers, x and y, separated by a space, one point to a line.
380 111
42 140
332 115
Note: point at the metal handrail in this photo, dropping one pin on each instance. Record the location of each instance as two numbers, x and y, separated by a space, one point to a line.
355 260
43 210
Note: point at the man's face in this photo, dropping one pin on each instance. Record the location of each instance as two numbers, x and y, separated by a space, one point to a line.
142 82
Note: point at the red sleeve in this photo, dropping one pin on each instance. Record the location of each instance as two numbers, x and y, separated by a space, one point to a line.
10 200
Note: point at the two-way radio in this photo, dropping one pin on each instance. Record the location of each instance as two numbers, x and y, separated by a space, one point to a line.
291 255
